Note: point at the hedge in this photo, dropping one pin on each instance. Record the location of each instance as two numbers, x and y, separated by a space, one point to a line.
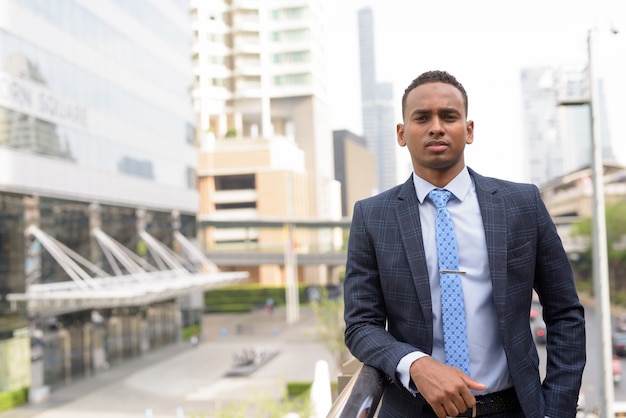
245 298
11 399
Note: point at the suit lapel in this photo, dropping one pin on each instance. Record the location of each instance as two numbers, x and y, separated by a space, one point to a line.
410 230
493 214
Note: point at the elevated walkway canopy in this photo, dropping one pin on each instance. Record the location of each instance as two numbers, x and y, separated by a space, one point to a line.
134 282
273 222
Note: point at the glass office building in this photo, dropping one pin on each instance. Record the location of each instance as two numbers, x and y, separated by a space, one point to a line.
96 132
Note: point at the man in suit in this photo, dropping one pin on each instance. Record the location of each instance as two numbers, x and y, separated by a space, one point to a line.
507 246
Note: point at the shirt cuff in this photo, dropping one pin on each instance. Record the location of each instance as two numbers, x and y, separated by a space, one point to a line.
404 370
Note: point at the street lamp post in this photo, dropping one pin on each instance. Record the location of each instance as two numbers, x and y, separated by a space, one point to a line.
600 255
291 279
291 263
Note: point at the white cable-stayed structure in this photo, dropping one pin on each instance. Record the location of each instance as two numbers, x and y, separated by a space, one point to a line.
134 281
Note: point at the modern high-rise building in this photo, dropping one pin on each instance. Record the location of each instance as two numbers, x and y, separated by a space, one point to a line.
377 106
557 122
260 100
541 125
97 186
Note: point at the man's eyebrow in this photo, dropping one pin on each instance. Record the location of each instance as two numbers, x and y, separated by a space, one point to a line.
445 110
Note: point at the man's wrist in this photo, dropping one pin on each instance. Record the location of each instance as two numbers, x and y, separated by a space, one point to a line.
403 370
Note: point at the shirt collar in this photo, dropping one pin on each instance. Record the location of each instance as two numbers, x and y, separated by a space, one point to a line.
459 186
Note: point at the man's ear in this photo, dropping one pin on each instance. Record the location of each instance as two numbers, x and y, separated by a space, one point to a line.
400 134
470 132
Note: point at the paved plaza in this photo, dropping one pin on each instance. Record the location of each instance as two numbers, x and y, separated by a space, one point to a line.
185 381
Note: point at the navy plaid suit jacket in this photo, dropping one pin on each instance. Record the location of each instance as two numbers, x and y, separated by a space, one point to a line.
388 307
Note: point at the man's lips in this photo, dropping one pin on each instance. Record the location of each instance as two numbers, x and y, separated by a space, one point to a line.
437 146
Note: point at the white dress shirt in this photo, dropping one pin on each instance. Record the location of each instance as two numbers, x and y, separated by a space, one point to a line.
487 358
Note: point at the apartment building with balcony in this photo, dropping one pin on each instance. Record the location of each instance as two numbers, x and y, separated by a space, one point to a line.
259 83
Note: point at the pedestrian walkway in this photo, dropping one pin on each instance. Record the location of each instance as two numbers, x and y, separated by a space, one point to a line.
186 381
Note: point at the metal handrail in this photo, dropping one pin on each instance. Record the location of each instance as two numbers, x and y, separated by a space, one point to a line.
361 396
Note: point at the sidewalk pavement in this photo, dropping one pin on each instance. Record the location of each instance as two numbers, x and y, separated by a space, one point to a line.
181 380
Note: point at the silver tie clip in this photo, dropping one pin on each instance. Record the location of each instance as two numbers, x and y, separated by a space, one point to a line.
452 272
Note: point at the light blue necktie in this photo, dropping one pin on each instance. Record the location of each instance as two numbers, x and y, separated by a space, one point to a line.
452 306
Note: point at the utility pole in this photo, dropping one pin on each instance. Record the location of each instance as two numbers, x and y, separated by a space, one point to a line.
291 263
600 253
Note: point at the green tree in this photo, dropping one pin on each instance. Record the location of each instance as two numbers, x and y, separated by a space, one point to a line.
616 244
331 326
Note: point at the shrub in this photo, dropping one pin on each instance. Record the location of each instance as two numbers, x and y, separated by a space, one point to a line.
11 399
246 298
296 389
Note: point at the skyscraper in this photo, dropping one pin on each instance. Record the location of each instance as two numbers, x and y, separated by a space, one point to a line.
544 160
558 136
377 106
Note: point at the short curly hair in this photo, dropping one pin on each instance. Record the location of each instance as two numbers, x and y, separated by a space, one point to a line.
435 77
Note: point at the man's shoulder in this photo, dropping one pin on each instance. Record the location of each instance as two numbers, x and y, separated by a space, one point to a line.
499 184
385 197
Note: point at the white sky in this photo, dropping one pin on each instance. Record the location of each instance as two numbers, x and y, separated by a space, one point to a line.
485 44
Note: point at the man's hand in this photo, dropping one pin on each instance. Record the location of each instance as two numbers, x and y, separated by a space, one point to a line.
445 388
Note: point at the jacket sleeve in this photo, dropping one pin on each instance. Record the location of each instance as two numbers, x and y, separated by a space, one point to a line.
366 313
564 318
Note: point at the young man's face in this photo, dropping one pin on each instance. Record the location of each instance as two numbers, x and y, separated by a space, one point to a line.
435 130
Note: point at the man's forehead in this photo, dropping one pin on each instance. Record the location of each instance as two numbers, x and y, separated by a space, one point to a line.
436 93
438 87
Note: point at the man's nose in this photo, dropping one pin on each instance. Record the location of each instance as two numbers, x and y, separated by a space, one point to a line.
436 128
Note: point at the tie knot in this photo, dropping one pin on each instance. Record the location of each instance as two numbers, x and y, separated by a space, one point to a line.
440 197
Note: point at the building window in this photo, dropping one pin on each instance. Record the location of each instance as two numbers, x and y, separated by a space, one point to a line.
291 35
292 80
292 57
191 177
190 133
236 182
236 205
136 167
296 35
298 56
294 13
